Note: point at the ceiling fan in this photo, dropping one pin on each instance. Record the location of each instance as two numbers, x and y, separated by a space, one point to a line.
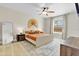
46 11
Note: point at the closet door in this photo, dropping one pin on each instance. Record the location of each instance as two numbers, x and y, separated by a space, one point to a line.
7 33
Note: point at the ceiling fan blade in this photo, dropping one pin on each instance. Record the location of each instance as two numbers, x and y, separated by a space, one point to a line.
50 11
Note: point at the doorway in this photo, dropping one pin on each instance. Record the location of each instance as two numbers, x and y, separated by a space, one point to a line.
58 27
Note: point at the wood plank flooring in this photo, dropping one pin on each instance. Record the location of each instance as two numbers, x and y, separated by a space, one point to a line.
24 48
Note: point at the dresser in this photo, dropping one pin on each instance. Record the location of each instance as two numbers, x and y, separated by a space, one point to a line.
70 47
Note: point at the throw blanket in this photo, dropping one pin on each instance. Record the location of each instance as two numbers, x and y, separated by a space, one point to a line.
33 36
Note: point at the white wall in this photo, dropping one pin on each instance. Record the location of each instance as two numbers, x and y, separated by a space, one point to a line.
46 25
73 24
10 15
18 19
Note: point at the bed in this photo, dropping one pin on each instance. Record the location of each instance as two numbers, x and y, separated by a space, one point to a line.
39 39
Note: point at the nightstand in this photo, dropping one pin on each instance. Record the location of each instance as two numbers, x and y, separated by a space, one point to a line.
20 37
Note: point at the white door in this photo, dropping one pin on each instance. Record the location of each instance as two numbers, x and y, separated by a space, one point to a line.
7 33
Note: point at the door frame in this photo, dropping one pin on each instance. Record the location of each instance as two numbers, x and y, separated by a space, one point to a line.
64 34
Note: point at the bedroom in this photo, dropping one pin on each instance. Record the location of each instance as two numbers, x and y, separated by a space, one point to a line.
18 16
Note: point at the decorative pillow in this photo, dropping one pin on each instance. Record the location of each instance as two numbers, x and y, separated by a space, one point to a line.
34 32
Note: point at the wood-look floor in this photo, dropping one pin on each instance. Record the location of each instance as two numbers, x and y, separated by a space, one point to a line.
24 48
12 49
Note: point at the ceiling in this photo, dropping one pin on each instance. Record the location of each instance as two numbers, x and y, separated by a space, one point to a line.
31 8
